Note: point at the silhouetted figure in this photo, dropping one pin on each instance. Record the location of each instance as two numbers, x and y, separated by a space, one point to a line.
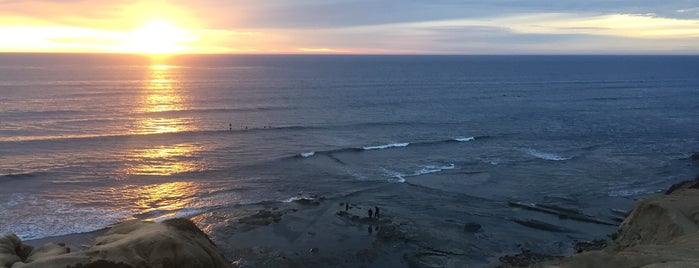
230 127
246 127
369 229
370 213
346 206
376 212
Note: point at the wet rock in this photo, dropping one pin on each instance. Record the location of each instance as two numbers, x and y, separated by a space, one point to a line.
390 232
425 259
542 226
526 259
262 217
307 201
366 255
342 213
589 246
564 213
472 227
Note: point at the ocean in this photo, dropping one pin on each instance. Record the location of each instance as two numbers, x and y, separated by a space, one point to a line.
89 140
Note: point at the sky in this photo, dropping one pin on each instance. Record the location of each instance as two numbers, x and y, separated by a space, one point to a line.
352 26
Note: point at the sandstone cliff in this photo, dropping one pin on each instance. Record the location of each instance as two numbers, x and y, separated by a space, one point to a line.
132 244
661 231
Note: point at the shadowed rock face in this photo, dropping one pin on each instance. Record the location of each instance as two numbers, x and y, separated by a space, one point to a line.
132 244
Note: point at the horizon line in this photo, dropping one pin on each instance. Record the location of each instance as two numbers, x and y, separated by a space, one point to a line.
342 54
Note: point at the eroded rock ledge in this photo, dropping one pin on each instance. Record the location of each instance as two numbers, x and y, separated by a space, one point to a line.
132 244
661 231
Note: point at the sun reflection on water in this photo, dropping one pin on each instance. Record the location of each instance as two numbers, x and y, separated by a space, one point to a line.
155 114
163 160
158 201
160 96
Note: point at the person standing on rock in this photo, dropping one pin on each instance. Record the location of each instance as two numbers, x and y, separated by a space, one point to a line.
370 212
376 212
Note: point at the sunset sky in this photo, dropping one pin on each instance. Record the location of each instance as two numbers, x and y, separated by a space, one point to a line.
351 26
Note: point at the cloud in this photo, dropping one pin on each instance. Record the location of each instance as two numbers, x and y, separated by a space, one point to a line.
364 26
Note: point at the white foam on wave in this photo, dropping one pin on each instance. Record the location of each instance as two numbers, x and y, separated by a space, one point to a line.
631 192
463 139
307 154
545 155
433 169
386 146
296 198
47 218
394 176
183 213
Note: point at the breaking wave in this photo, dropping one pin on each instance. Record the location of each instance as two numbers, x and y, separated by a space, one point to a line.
386 146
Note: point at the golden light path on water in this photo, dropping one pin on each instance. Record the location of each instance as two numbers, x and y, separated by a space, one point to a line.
159 97
157 108
160 201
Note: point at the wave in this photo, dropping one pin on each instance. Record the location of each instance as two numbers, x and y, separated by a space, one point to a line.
545 155
74 219
182 213
298 199
216 110
432 169
632 192
395 176
465 139
386 146
87 137
18 175
308 154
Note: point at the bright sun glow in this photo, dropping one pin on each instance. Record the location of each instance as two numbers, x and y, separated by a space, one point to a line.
158 37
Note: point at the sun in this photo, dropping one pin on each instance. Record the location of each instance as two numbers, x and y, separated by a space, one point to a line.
158 37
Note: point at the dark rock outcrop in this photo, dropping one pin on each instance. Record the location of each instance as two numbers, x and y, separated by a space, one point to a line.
262 217
132 244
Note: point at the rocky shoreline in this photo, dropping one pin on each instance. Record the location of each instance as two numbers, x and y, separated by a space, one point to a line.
661 231
315 232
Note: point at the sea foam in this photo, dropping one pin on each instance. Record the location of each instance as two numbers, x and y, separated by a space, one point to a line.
465 139
386 146
545 155
433 169
307 154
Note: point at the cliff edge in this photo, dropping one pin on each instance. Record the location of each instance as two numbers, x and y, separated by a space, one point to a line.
131 244
661 231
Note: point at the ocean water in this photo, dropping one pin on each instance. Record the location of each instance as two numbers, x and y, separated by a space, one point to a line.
90 140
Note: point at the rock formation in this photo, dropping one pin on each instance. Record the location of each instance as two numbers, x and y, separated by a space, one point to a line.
661 231
132 244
